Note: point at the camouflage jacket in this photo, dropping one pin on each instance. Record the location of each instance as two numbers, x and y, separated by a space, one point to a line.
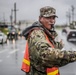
42 55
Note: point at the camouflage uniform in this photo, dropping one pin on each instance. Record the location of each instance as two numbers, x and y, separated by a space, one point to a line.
42 55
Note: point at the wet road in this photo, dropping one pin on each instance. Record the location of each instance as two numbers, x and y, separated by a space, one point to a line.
11 55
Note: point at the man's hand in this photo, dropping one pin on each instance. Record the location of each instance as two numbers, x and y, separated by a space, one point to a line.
61 42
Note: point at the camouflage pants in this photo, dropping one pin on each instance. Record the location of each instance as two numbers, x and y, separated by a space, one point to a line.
35 72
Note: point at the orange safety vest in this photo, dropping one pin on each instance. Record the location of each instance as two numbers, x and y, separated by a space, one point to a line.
26 62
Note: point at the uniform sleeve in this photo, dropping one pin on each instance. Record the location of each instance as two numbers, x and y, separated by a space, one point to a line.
59 45
42 52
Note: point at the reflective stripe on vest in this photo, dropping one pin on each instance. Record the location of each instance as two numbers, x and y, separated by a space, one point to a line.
26 62
52 71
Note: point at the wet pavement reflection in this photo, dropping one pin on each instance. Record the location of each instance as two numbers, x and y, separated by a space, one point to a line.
11 55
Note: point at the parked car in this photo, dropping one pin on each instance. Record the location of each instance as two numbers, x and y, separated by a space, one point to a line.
64 30
12 34
3 38
71 36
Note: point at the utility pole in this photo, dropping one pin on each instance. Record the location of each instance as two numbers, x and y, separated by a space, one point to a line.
66 18
11 17
68 15
4 17
72 12
15 10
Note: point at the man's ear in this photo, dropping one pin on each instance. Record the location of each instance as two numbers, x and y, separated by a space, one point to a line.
40 19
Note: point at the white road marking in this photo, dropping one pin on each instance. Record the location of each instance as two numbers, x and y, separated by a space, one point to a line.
13 51
3 51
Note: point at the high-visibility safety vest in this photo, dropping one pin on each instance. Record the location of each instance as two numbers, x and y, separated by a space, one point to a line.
26 62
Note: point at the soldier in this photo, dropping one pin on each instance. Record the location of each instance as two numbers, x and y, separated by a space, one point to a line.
45 54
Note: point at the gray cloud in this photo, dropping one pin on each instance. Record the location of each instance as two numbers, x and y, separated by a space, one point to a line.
29 9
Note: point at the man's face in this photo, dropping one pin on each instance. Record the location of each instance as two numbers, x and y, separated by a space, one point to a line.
48 22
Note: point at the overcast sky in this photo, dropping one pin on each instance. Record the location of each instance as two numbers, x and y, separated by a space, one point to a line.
29 9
